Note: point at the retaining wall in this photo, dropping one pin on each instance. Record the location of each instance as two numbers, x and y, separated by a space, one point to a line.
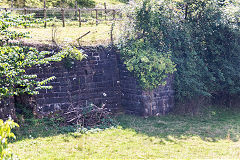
100 79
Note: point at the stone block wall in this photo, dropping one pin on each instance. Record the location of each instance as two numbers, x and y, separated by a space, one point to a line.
137 101
101 79
93 80
7 109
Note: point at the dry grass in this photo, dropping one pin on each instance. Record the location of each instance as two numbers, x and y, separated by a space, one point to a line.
99 35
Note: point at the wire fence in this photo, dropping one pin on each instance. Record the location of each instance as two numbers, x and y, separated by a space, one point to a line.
70 16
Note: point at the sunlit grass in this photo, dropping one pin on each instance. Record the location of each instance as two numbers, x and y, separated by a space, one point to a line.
214 135
99 35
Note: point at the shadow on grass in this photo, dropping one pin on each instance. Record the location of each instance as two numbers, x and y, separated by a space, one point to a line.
34 128
213 124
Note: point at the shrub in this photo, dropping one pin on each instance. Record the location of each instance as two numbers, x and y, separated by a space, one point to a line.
202 36
5 134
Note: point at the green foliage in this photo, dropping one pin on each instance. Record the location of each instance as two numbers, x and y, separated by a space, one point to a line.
53 3
149 66
5 134
15 60
202 36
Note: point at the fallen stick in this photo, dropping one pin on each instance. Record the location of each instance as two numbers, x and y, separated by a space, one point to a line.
82 37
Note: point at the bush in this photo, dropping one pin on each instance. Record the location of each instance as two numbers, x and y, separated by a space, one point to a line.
203 38
5 134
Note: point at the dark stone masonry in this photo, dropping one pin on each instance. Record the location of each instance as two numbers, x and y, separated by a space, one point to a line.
100 79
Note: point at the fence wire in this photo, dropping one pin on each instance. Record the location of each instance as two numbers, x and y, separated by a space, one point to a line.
70 16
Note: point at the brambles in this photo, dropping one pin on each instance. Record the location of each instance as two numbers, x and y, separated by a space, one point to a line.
88 116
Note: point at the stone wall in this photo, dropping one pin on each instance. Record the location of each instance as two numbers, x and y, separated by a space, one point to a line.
7 109
100 79
94 80
140 102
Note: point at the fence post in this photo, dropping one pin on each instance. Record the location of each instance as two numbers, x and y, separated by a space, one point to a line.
111 34
76 7
105 7
114 14
25 13
11 3
63 21
79 17
96 16
45 14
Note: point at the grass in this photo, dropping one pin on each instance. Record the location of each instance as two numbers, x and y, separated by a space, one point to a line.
99 3
98 34
214 135
110 3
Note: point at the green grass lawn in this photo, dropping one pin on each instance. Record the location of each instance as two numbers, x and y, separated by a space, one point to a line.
213 135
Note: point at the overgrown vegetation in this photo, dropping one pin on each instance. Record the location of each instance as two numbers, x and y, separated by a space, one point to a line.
148 65
202 36
15 59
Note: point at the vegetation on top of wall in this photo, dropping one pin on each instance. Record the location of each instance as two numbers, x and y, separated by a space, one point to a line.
202 36
15 60
149 66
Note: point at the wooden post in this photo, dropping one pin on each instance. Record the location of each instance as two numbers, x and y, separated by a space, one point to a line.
186 11
45 14
25 13
105 7
76 7
96 16
114 14
11 3
111 34
79 17
63 21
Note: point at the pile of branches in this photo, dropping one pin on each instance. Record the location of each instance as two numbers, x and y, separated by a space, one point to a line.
88 116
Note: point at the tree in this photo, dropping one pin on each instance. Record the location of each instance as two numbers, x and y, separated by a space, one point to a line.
14 60
203 38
